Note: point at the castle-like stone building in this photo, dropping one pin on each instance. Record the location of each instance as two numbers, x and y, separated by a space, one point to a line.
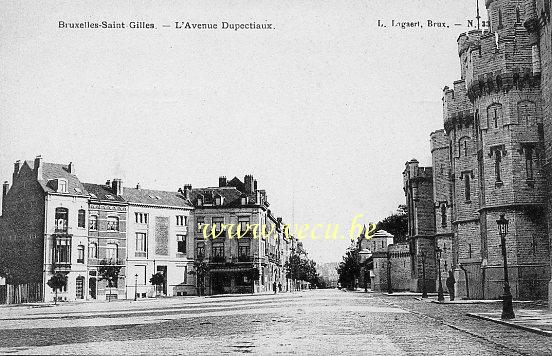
493 157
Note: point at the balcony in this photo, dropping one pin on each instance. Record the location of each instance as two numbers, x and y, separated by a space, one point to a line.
112 261
61 266
217 259
243 259
62 230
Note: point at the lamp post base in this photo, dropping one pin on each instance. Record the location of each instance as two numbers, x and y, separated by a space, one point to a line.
440 294
507 307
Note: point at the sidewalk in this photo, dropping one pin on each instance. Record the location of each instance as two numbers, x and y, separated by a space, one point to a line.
538 321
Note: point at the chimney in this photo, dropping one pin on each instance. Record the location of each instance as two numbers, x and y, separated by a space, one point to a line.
259 202
187 190
117 186
16 167
108 183
222 181
249 184
71 168
38 167
5 189
138 186
255 185
279 222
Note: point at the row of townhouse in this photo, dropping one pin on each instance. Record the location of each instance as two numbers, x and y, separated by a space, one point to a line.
52 223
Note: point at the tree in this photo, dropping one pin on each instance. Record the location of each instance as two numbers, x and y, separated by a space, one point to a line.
396 224
110 273
299 267
201 268
157 279
57 281
349 269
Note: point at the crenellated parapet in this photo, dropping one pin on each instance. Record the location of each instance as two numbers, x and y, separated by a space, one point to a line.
457 109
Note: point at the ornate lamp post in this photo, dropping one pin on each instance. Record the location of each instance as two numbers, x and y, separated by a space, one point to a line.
424 289
440 295
365 254
507 307
135 286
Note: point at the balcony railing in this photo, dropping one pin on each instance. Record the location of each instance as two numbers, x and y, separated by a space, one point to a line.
62 230
112 261
243 258
61 266
217 259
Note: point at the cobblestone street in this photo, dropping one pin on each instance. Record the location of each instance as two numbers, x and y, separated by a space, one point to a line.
311 322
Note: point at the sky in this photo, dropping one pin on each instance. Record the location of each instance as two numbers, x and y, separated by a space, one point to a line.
323 109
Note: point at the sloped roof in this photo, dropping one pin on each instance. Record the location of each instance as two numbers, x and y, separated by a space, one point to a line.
231 195
102 192
53 171
155 197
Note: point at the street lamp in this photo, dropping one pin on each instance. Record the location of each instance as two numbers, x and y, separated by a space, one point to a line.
424 290
389 286
440 295
365 255
507 307
135 286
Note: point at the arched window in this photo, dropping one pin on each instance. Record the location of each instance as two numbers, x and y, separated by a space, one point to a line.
111 251
82 218
494 115
93 250
93 222
62 218
80 254
112 223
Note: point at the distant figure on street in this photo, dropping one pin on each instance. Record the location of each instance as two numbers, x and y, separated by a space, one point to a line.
274 286
450 285
279 287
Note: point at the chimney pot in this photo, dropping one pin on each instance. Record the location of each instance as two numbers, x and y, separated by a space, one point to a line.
117 186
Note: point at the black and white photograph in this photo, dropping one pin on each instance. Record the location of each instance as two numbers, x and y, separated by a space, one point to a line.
276 177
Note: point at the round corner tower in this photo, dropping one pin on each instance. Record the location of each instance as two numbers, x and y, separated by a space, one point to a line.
504 87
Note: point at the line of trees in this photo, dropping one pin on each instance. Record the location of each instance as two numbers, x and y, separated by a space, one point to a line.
301 268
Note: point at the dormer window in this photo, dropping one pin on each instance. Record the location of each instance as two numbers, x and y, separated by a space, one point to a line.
218 200
61 185
243 201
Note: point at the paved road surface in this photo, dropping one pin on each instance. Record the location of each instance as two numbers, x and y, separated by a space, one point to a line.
310 322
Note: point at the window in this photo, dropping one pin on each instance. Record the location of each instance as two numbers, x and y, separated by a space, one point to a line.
185 275
141 242
112 223
62 217
469 251
200 250
93 222
467 191
181 242
217 223
499 19
529 162
62 251
181 220
518 16
62 185
443 215
141 218
244 250
111 251
498 159
80 254
79 287
200 220
243 221
93 250
82 218
218 250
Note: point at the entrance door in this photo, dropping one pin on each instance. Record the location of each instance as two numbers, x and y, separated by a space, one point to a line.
80 288
163 269
217 283
92 287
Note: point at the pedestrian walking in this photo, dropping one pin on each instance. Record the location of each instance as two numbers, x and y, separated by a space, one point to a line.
274 287
279 287
450 285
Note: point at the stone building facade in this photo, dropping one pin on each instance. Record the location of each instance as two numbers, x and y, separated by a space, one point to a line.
53 223
497 134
